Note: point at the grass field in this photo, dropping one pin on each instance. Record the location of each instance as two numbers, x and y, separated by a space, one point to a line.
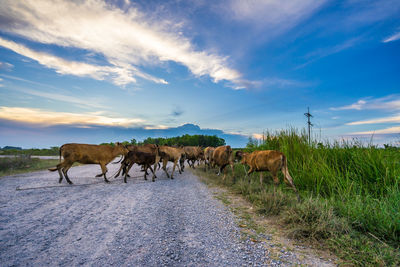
350 196
22 164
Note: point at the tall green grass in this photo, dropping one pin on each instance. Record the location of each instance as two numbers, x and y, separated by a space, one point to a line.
360 182
350 195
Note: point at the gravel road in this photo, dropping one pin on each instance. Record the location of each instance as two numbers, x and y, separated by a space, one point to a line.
165 223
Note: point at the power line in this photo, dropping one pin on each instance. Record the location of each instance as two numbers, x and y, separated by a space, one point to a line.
308 115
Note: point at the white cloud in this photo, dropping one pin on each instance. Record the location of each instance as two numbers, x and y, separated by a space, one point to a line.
45 117
119 75
6 65
392 38
360 104
125 38
391 130
87 102
257 136
390 103
391 119
270 14
156 127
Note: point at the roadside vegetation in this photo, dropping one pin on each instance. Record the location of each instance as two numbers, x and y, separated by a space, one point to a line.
53 151
22 164
350 196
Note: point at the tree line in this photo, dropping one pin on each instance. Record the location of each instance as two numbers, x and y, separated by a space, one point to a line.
184 140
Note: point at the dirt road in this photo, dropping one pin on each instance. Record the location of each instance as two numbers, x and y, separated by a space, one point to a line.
168 222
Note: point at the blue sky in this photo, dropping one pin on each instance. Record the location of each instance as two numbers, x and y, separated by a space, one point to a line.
99 71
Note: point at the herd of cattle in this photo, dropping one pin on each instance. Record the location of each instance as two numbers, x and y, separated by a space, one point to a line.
149 155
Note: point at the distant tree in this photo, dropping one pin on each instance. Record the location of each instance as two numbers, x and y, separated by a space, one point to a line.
252 143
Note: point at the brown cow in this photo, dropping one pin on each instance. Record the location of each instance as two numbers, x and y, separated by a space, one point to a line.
140 158
268 160
222 156
192 154
151 154
208 152
174 155
87 154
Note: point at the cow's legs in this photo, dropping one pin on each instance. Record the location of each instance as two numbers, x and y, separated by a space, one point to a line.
119 171
156 162
225 171
145 172
59 166
173 169
65 171
191 163
165 161
122 168
126 174
261 178
146 167
61 176
153 171
221 169
128 169
104 170
181 164
276 180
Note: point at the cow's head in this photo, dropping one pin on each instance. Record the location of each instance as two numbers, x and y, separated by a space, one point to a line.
121 148
238 155
244 158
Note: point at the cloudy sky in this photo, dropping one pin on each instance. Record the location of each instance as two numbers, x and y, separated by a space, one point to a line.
98 71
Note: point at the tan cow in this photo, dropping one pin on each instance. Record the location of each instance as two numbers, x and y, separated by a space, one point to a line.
192 154
87 154
173 154
268 160
208 152
222 156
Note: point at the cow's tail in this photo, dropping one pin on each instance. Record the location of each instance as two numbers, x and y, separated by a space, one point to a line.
122 157
288 179
59 153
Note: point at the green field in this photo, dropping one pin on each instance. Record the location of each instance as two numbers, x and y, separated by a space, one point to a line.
350 196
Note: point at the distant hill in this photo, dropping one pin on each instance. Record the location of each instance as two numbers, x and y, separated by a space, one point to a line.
11 147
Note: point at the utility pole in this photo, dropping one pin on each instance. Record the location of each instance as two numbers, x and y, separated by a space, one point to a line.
263 138
308 115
